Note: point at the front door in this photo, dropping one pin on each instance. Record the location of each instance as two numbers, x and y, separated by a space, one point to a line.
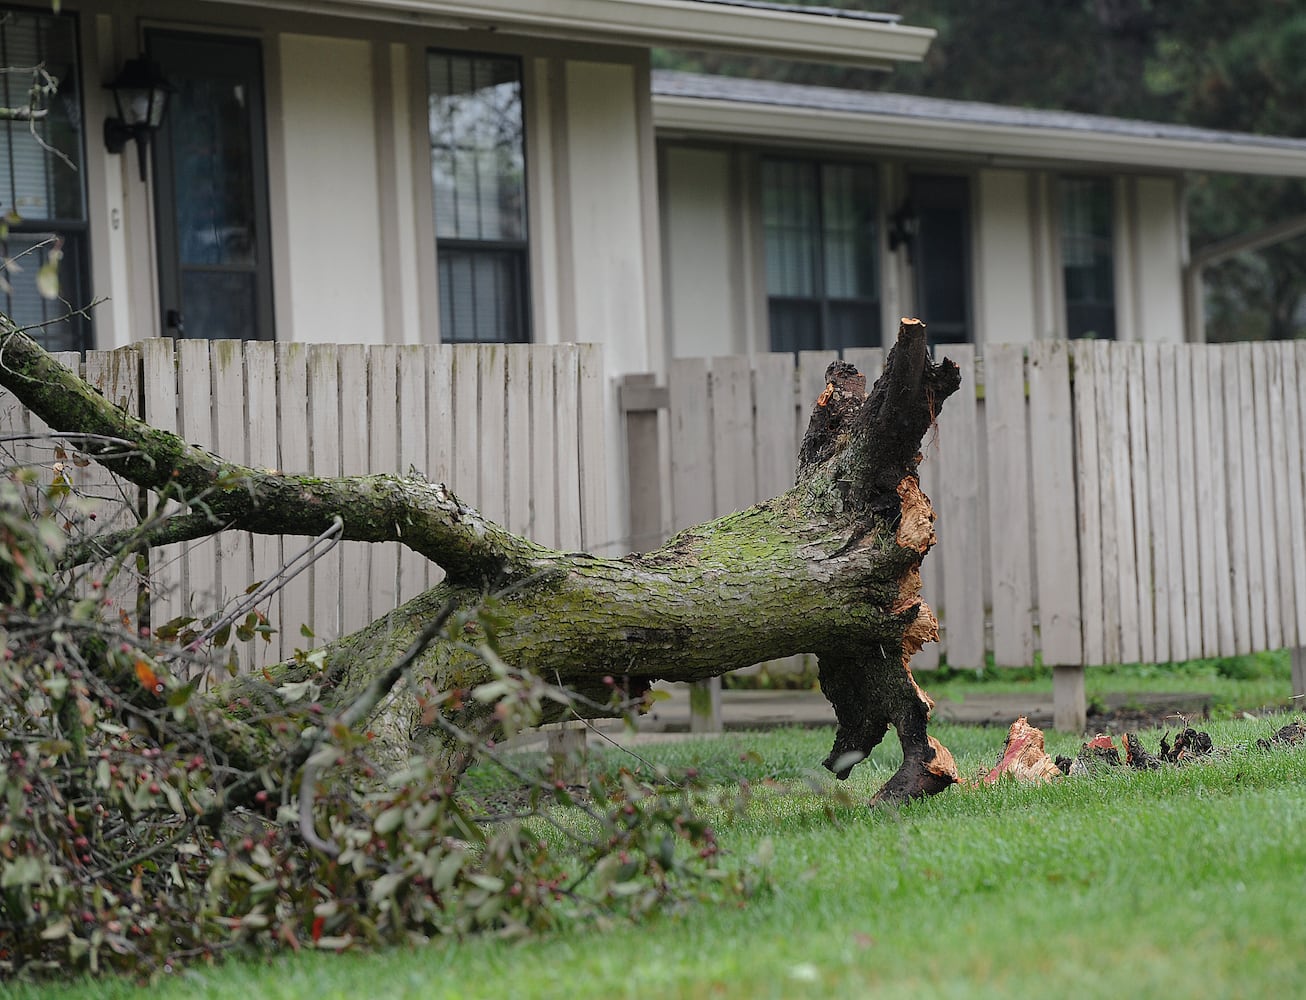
211 202
941 255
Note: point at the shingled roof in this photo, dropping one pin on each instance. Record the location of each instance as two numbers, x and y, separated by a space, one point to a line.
807 113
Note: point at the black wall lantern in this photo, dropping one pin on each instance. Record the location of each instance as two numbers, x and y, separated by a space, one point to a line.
141 95
903 227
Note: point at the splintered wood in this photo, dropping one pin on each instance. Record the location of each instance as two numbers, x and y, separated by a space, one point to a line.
1025 759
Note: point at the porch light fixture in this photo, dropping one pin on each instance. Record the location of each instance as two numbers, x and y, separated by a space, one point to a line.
903 227
141 95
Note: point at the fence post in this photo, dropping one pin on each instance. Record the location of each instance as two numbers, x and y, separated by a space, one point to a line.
640 400
1069 704
1299 676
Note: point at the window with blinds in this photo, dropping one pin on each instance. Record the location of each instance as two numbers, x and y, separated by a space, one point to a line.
822 259
478 179
41 191
1087 259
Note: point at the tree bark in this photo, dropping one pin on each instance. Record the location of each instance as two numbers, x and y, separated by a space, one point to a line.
830 567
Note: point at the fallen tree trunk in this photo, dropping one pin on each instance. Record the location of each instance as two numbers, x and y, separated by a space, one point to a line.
831 567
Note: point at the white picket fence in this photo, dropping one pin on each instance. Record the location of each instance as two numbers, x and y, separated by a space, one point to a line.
1097 502
517 431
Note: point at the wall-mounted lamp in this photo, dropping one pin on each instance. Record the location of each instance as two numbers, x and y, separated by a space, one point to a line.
903 227
141 95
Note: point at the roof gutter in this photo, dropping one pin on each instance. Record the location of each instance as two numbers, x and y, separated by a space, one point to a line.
997 145
758 30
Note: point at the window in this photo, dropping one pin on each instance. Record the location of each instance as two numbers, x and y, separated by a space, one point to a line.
41 191
1086 257
822 264
940 255
210 194
478 179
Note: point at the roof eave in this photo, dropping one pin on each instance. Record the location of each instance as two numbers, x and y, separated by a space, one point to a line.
1000 145
673 23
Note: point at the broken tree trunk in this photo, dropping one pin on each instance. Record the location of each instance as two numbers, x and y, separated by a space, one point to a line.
831 567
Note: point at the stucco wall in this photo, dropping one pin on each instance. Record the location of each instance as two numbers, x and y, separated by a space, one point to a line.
1005 271
1159 259
331 269
698 251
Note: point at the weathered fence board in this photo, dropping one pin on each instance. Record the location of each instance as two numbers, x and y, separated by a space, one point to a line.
1295 486
1220 567
1088 466
1008 482
1055 545
1138 460
959 525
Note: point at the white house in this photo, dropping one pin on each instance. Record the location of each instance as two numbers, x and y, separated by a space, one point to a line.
410 171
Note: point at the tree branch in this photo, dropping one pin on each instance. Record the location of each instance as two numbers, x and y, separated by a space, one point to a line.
426 517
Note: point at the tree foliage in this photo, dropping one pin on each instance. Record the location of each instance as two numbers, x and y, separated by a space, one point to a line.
138 833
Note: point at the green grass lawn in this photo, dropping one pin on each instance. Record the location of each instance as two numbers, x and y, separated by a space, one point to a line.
1169 883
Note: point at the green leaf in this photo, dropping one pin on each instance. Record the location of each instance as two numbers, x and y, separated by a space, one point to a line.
47 278
385 886
389 821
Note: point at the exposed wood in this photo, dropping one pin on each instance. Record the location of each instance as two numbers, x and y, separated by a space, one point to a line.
1052 458
1298 656
811 380
1009 534
518 447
